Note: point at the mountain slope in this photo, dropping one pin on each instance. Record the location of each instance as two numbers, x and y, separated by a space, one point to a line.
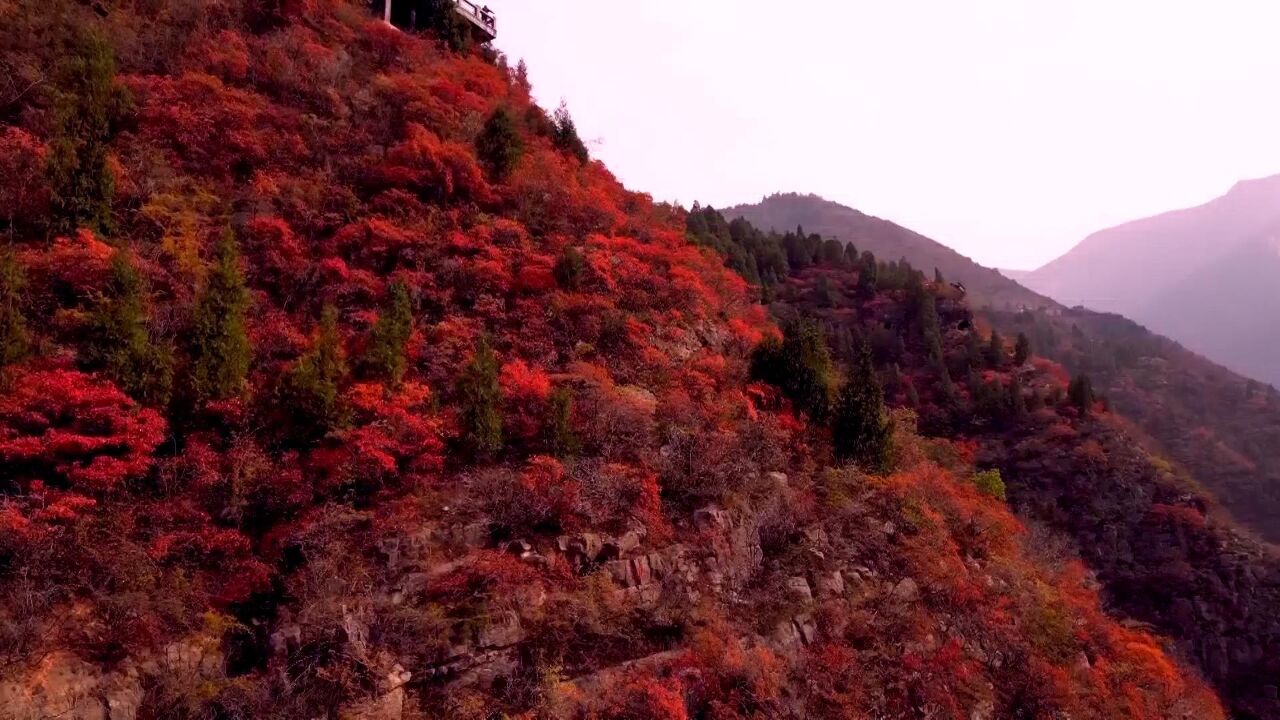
1223 428
1154 540
783 212
1178 272
337 381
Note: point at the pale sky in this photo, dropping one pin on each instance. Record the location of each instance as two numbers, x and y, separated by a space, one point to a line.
1007 129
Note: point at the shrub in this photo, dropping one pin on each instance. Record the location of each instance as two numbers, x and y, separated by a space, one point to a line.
990 483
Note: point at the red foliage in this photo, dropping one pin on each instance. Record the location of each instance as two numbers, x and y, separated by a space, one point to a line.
24 194
432 168
212 129
396 436
65 426
525 390
643 697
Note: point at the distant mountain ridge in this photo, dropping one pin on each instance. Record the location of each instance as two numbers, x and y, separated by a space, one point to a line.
889 241
1204 275
1220 426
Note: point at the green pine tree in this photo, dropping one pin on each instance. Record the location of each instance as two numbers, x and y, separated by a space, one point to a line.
1080 394
800 366
499 145
565 135
480 398
974 356
861 430
1016 403
87 107
570 268
120 338
15 342
220 351
868 274
560 437
311 391
995 351
1022 349
386 355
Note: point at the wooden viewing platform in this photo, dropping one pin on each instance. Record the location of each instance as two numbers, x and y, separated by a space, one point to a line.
407 14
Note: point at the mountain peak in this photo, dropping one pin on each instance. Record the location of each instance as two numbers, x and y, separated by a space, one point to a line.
1184 273
886 239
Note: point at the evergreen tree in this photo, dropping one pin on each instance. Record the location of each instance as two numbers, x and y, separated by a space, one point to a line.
220 351
860 430
913 397
1080 394
946 388
311 390
14 340
499 145
1017 404
386 355
851 255
570 268
522 76
868 275
120 338
974 357
1022 349
560 438
827 295
995 351
926 321
937 276
833 252
565 135
87 107
800 366
480 397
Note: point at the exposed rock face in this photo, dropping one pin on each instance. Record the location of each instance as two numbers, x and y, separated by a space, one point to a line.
62 685
388 703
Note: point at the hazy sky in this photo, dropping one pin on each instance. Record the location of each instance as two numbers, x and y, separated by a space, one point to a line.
1007 129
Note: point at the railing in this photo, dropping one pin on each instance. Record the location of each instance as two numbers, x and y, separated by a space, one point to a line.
482 15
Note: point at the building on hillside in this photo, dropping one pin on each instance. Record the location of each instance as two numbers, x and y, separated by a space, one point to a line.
411 15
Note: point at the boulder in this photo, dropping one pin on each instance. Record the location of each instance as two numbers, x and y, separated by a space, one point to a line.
502 630
906 591
710 517
830 584
798 590
806 628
